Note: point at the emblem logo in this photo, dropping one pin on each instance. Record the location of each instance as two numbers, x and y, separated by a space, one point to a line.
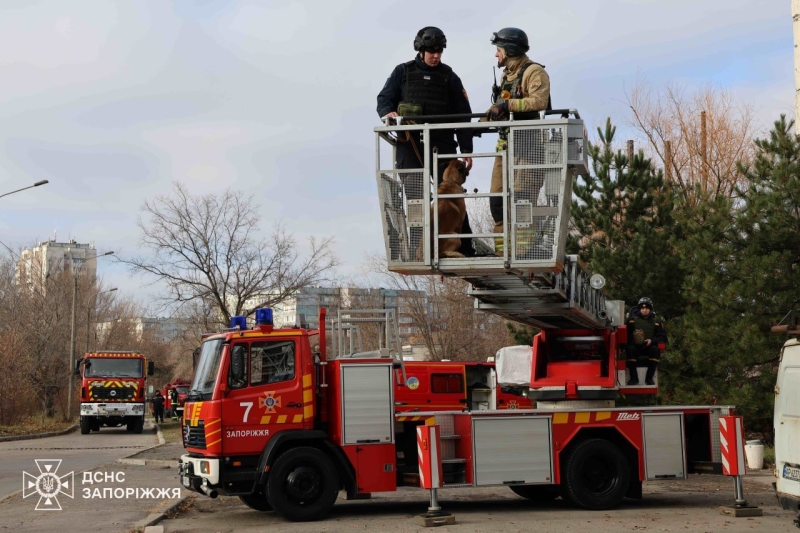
48 485
269 402
413 383
628 416
112 393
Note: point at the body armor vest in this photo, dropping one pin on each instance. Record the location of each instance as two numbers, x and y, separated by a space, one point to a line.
514 88
428 88
648 328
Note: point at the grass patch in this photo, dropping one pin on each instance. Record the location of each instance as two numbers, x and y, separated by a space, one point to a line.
171 430
769 456
34 425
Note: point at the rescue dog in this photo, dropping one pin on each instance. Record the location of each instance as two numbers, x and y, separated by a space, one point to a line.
452 211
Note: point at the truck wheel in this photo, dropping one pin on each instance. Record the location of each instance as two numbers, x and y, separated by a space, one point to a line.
86 425
597 475
537 493
129 426
257 500
138 425
303 485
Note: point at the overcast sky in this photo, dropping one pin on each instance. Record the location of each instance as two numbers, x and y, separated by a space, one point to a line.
113 101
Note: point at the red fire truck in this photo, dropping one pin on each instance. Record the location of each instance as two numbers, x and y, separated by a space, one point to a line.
171 406
113 390
273 420
456 386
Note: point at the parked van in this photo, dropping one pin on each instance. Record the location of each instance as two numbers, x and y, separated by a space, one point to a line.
787 418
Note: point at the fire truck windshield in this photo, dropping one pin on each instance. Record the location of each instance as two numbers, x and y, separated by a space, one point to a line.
113 367
207 366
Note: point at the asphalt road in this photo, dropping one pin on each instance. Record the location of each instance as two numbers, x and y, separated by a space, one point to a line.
683 505
77 453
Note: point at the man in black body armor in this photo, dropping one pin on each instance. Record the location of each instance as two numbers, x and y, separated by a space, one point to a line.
645 333
426 86
524 90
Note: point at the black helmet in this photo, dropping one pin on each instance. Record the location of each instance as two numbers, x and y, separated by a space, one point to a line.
429 37
646 302
513 40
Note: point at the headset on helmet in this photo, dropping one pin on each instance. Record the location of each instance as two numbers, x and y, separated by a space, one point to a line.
429 37
646 302
513 40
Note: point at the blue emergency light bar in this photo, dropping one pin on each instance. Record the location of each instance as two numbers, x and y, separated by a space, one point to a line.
264 316
239 322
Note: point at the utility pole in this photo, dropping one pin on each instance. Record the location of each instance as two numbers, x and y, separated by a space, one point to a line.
796 32
72 342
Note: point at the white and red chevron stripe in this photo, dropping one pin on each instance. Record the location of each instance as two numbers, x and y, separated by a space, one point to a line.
731 435
429 451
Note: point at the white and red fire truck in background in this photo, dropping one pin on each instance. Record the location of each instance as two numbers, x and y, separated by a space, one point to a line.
272 419
113 388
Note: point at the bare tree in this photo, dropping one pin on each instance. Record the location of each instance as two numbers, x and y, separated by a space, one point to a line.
445 317
697 137
207 248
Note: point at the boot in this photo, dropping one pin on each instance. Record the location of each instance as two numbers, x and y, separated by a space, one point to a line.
633 371
651 372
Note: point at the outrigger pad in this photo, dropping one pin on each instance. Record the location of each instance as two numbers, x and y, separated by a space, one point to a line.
436 518
741 511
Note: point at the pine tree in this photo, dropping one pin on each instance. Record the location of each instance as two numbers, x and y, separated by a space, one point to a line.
623 221
744 261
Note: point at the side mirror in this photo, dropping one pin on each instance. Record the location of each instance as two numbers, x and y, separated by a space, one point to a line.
151 368
77 368
237 363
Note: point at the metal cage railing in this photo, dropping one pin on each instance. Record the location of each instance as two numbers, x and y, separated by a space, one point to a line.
539 166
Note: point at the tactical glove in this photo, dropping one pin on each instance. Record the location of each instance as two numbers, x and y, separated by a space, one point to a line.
499 111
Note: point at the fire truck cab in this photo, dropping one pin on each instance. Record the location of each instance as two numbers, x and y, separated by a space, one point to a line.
113 390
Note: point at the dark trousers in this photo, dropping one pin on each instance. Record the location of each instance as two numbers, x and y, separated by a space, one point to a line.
407 158
159 414
648 356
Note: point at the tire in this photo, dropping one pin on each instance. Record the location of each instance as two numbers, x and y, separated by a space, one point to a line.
536 493
303 485
257 500
138 425
597 475
86 425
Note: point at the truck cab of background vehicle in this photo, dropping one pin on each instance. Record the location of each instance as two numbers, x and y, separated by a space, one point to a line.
787 418
113 390
181 388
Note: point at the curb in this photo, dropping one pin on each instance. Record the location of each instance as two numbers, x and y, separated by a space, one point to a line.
152 462
154 518
39 435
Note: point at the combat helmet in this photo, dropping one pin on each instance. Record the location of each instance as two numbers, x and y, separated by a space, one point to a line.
513 40
429 38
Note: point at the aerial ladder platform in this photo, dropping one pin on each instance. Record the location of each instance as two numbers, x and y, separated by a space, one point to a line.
533 281
579 353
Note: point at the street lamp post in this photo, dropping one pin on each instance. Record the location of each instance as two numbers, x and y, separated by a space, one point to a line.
88 316
43 182
72 331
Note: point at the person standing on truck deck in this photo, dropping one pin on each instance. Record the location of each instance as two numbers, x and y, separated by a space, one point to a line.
524 90
158 407
645 333
426 86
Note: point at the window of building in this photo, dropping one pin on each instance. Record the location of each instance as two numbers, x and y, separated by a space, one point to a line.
447 383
